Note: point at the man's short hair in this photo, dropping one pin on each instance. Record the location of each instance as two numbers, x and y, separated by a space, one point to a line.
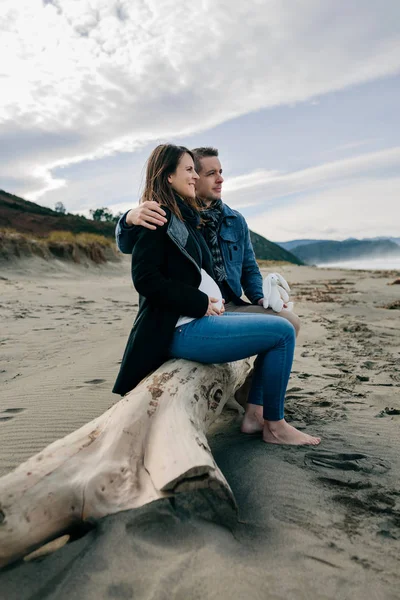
203 152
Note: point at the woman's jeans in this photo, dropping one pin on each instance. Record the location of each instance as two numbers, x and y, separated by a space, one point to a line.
233 336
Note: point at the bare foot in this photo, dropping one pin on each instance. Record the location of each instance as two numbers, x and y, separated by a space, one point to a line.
253 421
280 432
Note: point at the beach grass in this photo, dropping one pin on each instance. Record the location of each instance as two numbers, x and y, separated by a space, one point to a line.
57 244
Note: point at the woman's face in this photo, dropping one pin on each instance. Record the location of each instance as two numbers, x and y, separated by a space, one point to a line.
184 179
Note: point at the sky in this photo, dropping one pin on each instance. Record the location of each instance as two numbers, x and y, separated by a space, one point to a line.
301 99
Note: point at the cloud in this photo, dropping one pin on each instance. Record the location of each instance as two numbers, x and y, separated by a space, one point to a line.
357 196
111 75
112 182
366 208
353 197
265 188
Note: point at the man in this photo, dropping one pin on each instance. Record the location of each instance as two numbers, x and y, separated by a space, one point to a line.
228 238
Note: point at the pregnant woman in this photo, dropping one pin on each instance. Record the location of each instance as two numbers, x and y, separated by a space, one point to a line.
181 312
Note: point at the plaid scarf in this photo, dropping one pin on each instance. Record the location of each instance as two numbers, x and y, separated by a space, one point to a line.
212 217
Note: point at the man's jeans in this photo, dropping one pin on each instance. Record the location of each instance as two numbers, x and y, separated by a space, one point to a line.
234 336
242 394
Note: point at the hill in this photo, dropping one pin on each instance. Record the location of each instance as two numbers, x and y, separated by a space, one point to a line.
266 250
29 230
29 218
326 252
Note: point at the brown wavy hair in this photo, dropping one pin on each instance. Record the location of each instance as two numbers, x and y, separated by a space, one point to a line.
162 162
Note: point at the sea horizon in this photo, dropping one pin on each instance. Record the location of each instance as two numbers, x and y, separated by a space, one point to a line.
368 264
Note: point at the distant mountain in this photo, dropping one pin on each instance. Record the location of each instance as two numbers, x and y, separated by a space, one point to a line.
266 250
31 218
326 252
296 243
396 240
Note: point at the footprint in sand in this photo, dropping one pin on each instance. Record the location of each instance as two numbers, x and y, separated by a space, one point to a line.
351 485
369 364
9 413
375 503
323 403
352 402
362 378
346 461
388 411
95 381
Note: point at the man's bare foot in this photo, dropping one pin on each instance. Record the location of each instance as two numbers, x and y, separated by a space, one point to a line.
280 432
253 421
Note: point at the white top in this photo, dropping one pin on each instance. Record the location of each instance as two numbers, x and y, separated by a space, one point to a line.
209 287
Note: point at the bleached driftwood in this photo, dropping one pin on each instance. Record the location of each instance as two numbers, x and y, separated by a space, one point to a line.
148 445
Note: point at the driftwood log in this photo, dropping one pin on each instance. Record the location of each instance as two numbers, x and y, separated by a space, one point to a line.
149 445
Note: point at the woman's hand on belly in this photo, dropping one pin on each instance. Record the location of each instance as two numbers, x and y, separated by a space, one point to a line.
213 310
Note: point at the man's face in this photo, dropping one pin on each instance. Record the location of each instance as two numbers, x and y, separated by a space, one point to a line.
209 184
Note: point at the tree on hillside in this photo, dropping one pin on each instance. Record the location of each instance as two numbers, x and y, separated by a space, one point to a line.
104 214
60 208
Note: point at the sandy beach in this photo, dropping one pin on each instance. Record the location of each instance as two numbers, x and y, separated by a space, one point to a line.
319 523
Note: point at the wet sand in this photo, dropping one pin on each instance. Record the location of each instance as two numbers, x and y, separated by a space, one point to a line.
317 523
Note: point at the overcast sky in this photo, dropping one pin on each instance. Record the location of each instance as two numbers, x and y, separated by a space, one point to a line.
301 98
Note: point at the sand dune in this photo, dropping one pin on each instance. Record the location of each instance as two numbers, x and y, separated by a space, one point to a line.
317 523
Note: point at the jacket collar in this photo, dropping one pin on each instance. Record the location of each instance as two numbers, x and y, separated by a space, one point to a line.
179 234
177 231
227 211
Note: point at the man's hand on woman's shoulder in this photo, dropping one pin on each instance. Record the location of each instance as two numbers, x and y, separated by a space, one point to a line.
149 214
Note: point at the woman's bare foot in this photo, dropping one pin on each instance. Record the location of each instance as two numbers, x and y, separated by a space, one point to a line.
280 432
253 420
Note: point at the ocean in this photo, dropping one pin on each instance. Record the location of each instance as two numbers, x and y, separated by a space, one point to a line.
371 264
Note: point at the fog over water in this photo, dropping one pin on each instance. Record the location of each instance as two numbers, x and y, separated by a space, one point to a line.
390 264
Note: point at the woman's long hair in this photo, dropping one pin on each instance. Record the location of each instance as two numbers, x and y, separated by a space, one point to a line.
163 161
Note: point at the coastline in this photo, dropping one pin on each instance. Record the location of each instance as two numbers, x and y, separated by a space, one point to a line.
378 264
320 523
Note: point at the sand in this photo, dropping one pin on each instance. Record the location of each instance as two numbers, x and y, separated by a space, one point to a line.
318 523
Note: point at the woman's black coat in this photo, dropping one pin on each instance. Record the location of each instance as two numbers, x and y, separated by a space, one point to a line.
166 267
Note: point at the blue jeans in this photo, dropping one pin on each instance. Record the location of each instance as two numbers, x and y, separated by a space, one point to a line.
233 336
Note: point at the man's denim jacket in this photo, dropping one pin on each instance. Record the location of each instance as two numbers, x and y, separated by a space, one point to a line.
237 252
